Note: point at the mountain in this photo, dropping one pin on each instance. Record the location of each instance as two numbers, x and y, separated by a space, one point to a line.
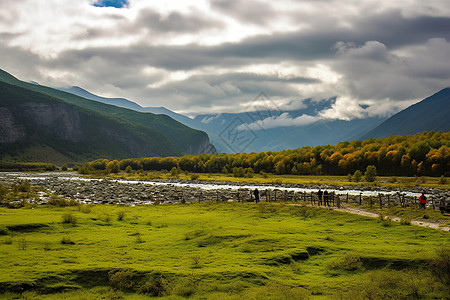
38 123
430 114
264 138
121 102
222 132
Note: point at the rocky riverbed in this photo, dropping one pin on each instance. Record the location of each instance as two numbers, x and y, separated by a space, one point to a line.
132 192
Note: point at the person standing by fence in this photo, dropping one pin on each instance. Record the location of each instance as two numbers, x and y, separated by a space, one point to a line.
326 198
256 193
422 201
319 194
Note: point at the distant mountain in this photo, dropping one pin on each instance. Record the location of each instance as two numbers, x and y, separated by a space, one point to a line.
321 132
38 123
221 128
430 114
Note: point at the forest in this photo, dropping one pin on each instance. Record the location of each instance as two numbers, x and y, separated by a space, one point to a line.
422 154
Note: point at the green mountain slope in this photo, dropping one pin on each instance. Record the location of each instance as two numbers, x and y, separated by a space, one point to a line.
185 139
430 114
38 123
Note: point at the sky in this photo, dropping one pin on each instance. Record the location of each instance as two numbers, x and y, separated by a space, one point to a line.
373 58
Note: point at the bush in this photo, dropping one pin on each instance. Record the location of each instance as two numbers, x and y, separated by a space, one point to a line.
442 180
371 173
194 177
67 241
69 219
60 201
122 280
128 169
440 266
238 172
155 286
23 244
357 176
405 221
120 215
350 262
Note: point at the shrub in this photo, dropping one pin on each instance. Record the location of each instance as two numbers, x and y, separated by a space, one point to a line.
393 180
155 286
4 231
122 280
67 241
440 266
385 220
194 177
350 262
405 221
175 172
195 258
84 208
442 180
60 201
120 215
64 167
371 173
69 219
238 172
128 169
23 244
357 176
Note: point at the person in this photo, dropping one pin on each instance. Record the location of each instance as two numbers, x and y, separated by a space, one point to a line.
325 198
319 194
256 193
422 201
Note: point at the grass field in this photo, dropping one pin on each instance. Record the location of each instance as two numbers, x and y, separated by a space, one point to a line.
392 182
216 251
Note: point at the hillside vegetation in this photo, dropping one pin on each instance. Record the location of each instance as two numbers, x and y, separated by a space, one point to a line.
422 154
42 124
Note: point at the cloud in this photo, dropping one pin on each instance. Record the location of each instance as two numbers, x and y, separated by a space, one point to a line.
213 56
282 120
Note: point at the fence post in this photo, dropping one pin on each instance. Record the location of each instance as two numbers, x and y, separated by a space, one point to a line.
360 200
347 197
381 201
338 201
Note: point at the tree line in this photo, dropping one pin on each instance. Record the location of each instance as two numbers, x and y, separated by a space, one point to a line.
422 154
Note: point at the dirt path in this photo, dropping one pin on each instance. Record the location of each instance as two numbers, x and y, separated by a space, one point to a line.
435 224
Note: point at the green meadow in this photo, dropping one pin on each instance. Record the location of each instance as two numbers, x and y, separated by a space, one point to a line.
216 251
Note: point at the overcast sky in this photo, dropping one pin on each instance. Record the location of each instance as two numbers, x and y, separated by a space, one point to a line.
206 56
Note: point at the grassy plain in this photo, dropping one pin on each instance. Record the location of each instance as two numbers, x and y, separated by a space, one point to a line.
383 181
216 251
